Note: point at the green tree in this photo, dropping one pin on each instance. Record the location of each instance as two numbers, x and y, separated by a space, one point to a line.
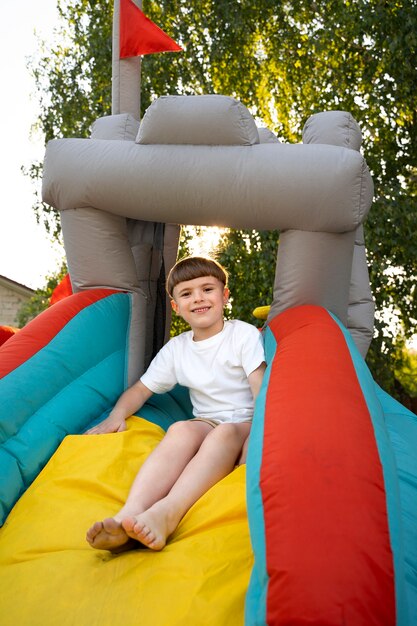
250 256
41 300
285 61
407 375
72 77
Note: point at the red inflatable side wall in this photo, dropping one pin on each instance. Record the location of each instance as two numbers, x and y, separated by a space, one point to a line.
327 540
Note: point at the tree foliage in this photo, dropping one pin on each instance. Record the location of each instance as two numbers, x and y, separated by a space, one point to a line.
72 76
285 61
41 300
251 256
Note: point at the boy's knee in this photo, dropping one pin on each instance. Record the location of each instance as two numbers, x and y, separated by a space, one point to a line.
182 430
178 428
226 433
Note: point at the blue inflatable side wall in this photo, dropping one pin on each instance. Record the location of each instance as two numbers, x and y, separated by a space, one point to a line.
72 380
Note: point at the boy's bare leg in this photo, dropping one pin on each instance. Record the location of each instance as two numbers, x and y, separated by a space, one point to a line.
154 480
215 459
244 453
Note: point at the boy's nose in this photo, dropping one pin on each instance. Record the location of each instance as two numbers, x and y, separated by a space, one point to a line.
198 296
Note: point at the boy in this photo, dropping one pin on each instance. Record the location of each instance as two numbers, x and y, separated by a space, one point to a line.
222 364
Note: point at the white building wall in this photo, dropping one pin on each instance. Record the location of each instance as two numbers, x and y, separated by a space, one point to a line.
10 303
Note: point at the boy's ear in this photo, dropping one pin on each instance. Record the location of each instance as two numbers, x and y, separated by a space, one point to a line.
226 295
174 306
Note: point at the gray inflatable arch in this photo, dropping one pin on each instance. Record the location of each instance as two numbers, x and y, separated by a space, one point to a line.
123 193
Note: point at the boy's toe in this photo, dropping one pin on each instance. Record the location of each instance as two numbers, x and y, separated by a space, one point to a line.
139 529
129 524
94 530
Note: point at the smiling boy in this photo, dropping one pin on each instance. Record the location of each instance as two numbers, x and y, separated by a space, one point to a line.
222 364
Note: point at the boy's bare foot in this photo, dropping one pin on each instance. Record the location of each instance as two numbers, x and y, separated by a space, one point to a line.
152 528
109 535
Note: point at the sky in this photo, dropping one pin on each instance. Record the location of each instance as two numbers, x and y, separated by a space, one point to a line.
26 254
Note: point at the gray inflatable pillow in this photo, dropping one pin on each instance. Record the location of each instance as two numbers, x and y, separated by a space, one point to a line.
198 120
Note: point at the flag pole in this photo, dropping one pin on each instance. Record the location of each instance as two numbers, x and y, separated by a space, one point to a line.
126 81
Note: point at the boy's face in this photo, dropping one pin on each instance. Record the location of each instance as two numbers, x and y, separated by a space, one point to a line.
200 303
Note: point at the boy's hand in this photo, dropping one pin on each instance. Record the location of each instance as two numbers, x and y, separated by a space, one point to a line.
112 424
129 402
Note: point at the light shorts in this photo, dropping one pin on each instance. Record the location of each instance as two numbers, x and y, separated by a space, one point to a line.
215 423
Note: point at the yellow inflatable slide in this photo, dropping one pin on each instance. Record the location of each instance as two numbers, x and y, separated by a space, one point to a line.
199 579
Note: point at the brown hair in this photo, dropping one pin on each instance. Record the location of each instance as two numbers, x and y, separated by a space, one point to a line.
194 267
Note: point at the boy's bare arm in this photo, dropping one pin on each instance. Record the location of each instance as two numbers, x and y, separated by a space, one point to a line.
128 403
255 379
255 382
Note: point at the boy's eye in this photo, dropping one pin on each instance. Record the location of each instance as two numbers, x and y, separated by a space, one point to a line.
208 289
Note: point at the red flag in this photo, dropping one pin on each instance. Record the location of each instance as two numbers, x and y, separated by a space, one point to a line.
62 290
139 35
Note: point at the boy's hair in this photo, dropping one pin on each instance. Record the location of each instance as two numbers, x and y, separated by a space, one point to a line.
194 267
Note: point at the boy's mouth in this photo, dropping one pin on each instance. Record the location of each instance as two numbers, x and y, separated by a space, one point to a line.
202 309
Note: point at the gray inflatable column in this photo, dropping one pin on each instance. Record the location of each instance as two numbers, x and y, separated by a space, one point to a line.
110 251
344 131
154 247
159 241
325 268
125 73
313 268
171 243
99 256
361 303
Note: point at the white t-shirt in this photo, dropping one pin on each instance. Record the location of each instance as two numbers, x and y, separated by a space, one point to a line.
215 370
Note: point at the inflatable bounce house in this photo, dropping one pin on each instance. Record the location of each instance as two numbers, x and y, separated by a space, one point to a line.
320 527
